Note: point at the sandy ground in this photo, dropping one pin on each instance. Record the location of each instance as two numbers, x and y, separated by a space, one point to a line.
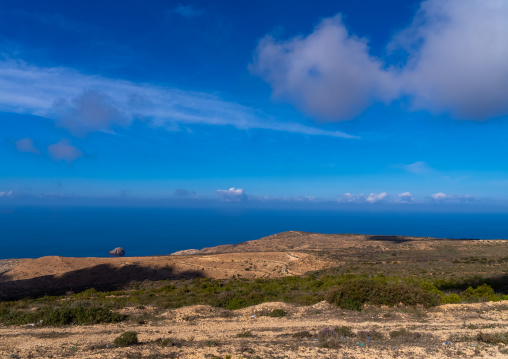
207 332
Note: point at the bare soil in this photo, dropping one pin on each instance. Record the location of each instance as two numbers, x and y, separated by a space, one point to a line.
207 332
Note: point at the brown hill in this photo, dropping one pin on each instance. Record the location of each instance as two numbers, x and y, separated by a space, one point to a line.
287 253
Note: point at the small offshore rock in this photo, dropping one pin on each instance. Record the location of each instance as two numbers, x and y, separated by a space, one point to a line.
117 252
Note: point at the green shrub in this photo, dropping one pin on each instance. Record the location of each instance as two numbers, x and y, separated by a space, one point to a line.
344 331
83 313
355 293
302 335
245 334
429 287
493 338
402 332
483 292
371 334
126 339
277 313
328 338
450 299
169 342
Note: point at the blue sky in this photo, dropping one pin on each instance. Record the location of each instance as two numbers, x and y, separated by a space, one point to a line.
339 102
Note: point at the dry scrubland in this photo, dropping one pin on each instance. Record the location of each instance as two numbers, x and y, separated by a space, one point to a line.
290 295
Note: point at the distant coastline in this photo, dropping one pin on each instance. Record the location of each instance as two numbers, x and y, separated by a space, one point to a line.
92 232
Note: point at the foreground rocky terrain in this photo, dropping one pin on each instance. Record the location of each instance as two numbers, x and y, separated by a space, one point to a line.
148 291
205 332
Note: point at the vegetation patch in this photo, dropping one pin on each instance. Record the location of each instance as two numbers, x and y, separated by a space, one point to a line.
276 313
355 293
126 339
303 334
347 291
169 342
245 334
70 313
493 338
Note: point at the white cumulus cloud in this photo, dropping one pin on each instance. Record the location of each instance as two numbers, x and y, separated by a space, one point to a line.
232 194
438 196
328 73
405 197
376 197
6 193
351 198
457 56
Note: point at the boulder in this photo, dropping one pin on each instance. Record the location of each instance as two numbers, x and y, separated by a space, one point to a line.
117 252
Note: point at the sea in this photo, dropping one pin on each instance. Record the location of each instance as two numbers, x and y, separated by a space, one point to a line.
33 232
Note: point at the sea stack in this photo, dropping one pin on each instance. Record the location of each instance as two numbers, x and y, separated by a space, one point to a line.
117 252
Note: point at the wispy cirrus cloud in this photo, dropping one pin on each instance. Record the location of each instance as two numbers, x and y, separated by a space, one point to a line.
6 193
49 19
183 193
187 11
85 103
442 197
418 167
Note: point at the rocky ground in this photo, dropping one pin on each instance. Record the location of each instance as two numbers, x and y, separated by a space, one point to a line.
318 331
207 332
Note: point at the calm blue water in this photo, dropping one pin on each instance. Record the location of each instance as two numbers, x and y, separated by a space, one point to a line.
81 232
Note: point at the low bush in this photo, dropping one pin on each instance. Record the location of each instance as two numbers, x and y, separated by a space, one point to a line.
482 293
404 336
169 342
328 338
493 338
302 335
355 293
369 335
277 313
245 334
451 299
127 339
62 315
344 331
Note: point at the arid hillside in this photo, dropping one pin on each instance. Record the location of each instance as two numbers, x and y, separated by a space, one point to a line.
289 295
283 254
